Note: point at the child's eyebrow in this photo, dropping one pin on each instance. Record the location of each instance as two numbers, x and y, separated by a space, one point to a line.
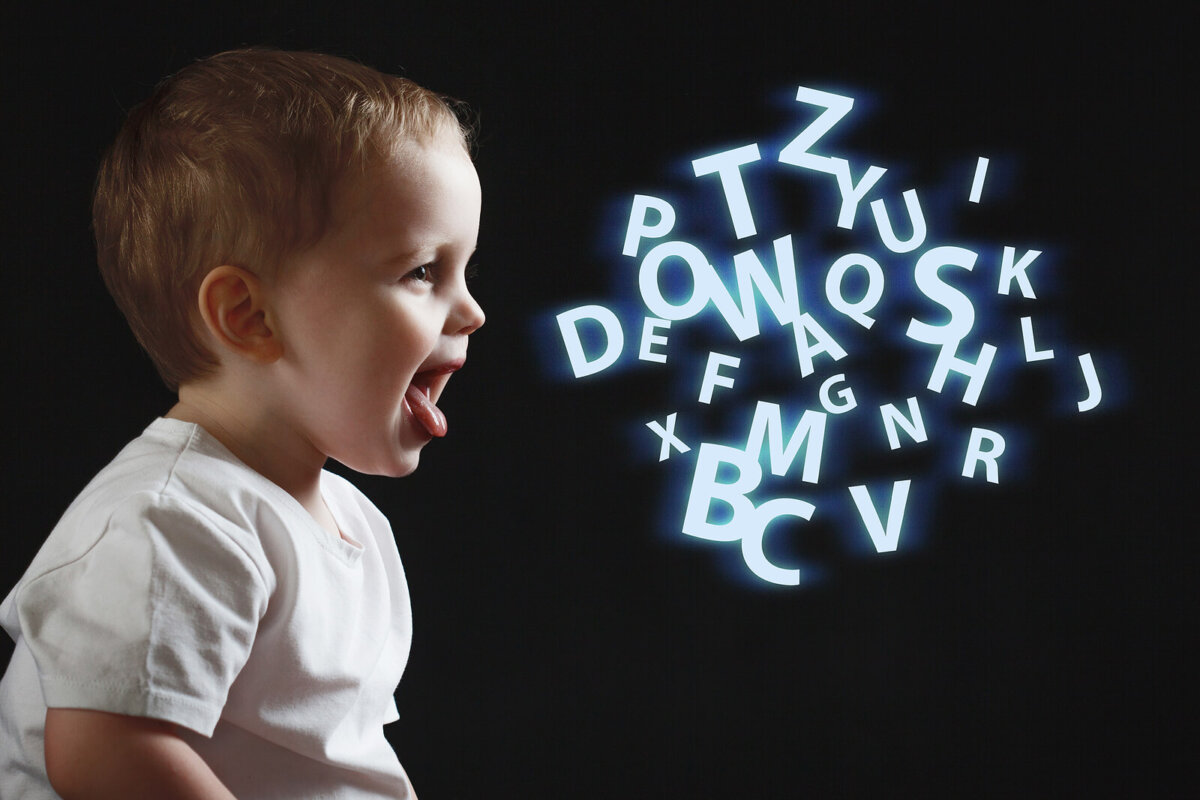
404 257
423 254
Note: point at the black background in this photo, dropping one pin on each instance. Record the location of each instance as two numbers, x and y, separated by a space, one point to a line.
567 644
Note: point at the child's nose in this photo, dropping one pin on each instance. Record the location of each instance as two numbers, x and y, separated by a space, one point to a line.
467 315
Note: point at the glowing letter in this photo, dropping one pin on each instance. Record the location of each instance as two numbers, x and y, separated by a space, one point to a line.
726 165
1009 270
669 439
810 429
648 280
635 232
797 152
1093 383
845 395
568 324
852 193
976 372
833 287
752 540
1031 351
746 522
713 376
836 106
977 185
707 285
705 489
962 313
975 453
885 539
913 425
649 340
888 236
784 302
820 342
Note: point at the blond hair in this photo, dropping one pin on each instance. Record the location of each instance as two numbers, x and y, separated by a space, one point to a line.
234 160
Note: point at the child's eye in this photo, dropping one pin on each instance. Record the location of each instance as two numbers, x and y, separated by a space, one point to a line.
421 274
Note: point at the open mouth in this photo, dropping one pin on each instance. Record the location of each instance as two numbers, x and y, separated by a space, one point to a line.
419 397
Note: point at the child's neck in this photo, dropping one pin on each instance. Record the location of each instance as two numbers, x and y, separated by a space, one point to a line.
263 442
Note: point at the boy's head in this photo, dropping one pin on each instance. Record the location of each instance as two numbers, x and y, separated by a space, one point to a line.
237 160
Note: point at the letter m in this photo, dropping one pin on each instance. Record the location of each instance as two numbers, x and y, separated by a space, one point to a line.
767 428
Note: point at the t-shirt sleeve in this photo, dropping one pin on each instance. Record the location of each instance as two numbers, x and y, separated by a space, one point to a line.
154 619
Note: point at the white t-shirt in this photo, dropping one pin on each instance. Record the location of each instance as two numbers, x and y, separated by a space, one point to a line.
184 586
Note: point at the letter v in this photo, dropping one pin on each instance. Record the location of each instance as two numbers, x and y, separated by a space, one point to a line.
887 540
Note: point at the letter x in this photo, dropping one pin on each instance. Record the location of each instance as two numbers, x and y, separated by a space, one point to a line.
669 439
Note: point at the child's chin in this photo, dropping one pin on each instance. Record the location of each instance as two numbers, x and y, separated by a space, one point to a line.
406 470
406 464
399 469
398 466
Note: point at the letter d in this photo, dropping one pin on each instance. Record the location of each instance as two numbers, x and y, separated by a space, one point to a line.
614 339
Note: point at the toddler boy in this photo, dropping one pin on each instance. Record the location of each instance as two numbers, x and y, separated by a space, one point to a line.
216 615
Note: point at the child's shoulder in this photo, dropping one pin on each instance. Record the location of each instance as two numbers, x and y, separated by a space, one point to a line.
170 511
177 481
176 495
173 465
172 481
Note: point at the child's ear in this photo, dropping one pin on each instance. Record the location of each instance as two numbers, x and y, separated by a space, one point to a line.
232 305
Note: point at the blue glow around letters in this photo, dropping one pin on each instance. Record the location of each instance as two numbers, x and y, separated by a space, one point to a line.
818 394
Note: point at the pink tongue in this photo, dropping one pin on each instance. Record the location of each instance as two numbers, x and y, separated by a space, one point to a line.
429 415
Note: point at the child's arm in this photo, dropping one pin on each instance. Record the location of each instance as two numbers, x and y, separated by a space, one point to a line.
96 755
